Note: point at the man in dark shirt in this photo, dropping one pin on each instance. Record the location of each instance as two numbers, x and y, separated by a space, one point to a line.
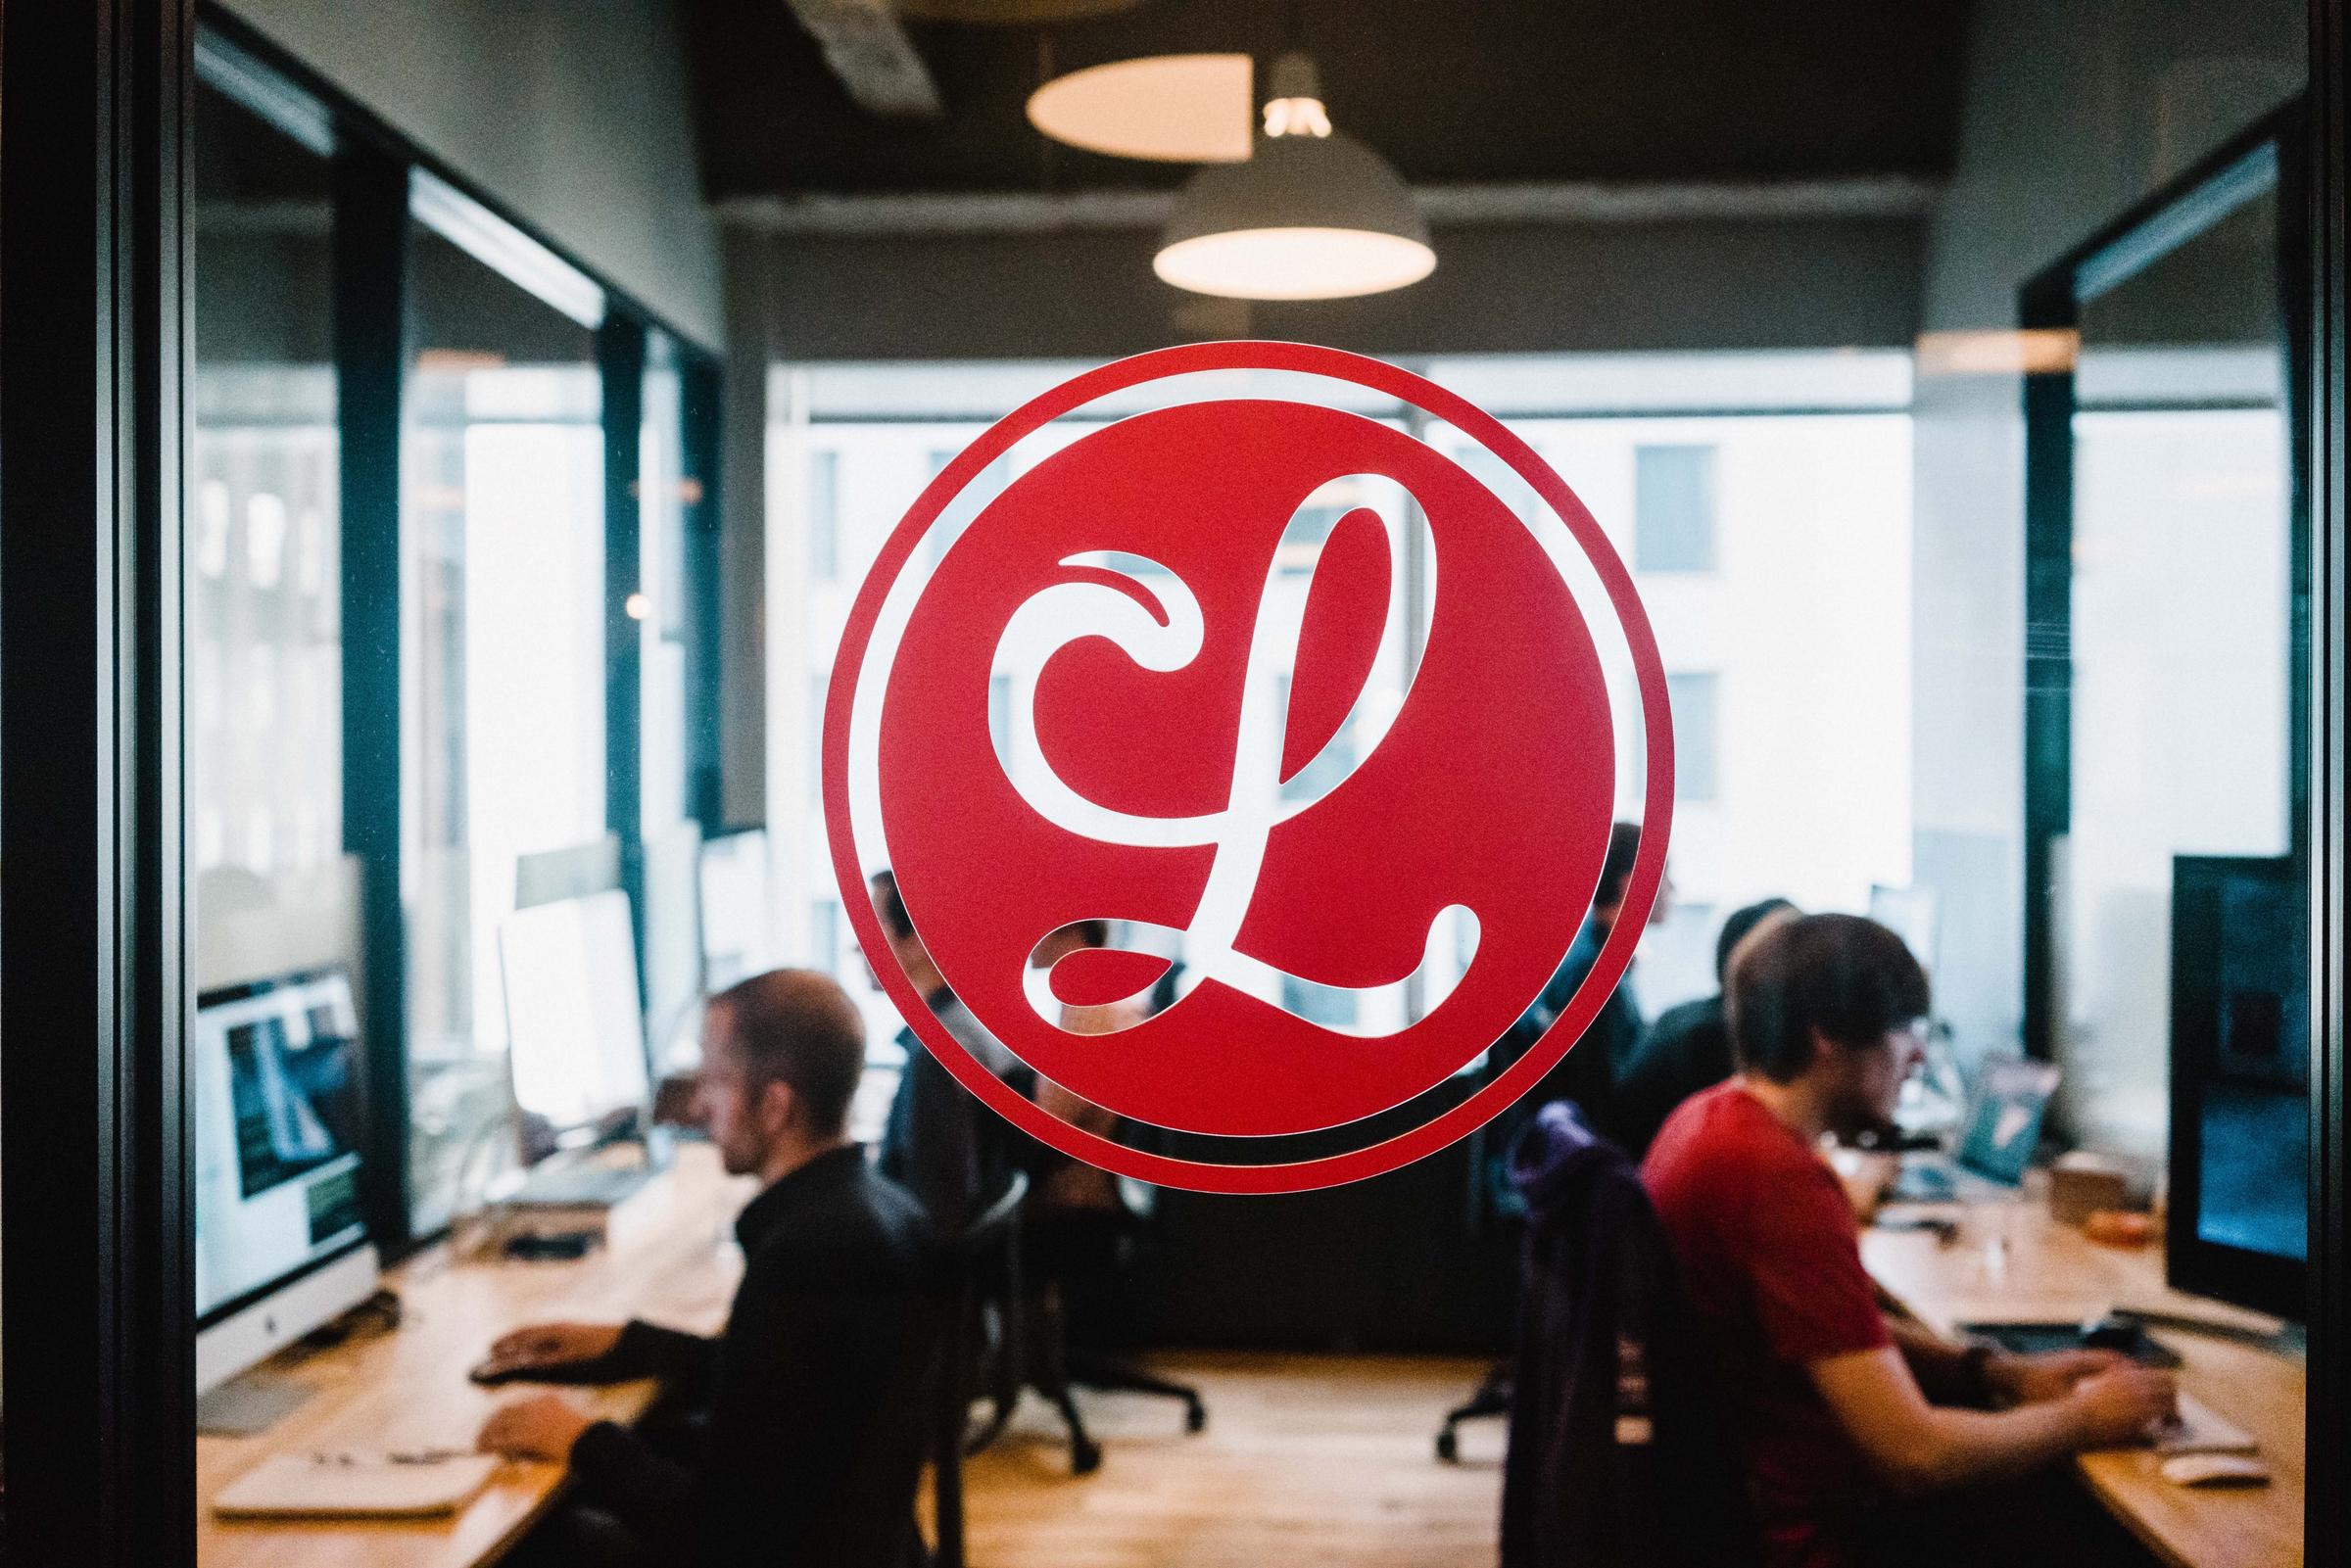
1587 1073
817 1393
940 1143
1689 1047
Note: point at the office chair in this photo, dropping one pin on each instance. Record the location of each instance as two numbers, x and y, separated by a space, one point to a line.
1076 1245
982 1261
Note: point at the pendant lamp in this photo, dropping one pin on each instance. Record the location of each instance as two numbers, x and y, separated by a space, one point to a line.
1313 215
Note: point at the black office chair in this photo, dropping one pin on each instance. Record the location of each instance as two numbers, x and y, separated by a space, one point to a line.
1085 1245
982 1264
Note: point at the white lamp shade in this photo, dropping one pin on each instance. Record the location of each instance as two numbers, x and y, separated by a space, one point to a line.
1177 109
1307 217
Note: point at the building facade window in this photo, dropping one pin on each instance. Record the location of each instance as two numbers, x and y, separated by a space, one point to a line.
1673 508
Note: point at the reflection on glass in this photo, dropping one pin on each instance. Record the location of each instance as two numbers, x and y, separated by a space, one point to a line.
664 495
2181 636
265 656
501 545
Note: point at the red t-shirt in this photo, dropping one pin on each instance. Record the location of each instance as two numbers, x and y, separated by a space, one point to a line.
1771 1262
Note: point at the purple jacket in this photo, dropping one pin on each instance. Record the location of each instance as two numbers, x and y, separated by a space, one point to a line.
1619 1451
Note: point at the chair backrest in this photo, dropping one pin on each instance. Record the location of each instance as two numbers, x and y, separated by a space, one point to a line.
984 1256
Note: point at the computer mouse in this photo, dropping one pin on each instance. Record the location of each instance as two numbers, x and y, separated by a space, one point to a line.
2216 1470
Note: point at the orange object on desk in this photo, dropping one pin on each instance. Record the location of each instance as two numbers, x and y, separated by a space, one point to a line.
2119 1227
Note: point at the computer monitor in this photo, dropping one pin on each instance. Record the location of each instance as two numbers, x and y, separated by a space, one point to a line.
281 1246
550 875
736 943
574 1026
673 938
2238 1220
1910 914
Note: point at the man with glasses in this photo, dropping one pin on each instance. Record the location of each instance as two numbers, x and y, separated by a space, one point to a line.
1850 1421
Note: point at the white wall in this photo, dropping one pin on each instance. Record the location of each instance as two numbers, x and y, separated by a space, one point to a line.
574 114
2073 111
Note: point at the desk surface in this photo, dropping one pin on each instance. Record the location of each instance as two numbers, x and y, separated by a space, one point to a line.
2012 1262
671 1258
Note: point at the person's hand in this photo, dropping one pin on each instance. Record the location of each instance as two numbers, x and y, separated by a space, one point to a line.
544 1426
2121 1406
544 1346
2048 1375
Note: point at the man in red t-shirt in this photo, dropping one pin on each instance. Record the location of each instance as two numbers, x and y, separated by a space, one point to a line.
1840 1408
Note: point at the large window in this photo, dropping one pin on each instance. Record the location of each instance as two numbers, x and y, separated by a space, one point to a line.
1771 549
502 590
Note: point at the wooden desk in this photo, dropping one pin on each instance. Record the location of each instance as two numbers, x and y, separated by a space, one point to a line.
671 1257
2011 1262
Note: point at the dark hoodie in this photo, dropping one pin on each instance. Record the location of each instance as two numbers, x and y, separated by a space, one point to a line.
1618 1454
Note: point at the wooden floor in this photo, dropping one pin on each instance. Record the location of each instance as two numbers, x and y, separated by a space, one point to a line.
1305 1460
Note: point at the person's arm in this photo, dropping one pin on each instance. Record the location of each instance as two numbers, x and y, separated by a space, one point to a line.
1920 1447
1952 1372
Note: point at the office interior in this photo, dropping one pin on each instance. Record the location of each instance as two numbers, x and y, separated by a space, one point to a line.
507 410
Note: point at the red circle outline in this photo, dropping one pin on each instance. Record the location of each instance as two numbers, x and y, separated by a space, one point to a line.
1649 863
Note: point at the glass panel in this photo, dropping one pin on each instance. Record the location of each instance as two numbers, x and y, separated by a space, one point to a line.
273 895
503 745
2181 639
663 494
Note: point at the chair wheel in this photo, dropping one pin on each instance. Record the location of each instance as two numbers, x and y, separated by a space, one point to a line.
1085 1459
1448 1448
1195 1417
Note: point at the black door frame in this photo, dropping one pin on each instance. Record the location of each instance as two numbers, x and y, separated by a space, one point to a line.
95 1212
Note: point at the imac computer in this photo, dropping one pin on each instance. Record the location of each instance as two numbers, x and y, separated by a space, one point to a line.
280 1244
2239 1217
575 1029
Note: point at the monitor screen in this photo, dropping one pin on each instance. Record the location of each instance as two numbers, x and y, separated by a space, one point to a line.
277 1103
2241 1080
575 1022
2253 1190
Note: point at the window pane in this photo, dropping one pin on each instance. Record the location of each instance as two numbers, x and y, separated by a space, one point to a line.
502 539
273 893
663 492
1673 508
1692 697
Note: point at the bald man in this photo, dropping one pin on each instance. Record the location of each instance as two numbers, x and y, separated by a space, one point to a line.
816 1393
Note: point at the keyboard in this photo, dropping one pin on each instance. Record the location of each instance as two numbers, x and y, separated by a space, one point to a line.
564 1185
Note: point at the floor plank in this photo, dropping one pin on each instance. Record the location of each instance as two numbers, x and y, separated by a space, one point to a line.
1305 1460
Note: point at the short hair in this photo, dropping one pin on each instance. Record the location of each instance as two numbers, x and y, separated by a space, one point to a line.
1847 979
1616 869
1736 929
799 1029
890 905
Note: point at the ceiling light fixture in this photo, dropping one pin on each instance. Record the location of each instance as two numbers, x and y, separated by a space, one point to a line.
1177 109
1313 215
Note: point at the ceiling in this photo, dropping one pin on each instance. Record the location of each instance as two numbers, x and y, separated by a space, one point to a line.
1453 92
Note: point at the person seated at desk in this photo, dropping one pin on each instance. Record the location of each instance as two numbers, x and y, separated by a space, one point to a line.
1587 1073
935 1143
1689 1047
1846 1420
817 1392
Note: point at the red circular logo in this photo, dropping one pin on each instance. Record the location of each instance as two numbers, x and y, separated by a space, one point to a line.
1263 681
